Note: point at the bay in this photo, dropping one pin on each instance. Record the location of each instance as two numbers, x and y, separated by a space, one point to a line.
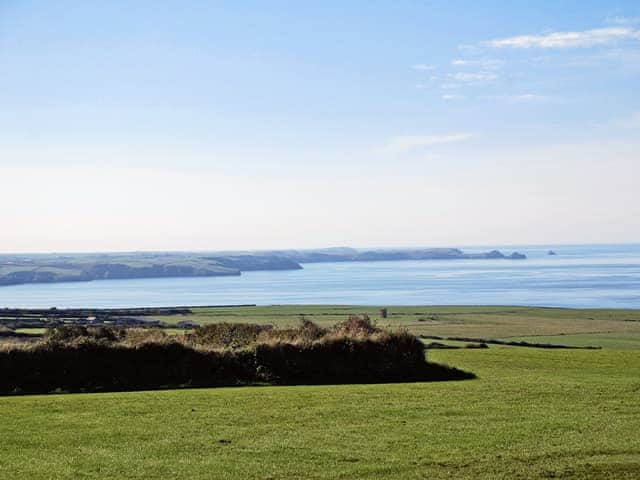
580 276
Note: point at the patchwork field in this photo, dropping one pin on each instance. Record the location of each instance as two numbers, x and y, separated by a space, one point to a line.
452 321
532 413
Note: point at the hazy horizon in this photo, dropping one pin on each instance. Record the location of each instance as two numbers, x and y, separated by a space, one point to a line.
190 126
466 248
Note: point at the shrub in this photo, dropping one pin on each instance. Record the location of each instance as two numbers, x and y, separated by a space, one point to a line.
100 359
96 366
389 357
227 335
305 332
138 336
356 326
71 333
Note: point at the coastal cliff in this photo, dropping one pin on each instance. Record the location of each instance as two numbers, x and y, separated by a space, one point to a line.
54 268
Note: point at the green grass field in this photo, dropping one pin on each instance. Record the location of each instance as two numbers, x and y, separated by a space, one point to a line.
532 413
484 322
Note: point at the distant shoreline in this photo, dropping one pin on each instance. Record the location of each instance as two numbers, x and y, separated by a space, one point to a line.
62 268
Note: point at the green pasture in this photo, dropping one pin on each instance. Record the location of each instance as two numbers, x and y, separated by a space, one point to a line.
615 340
531 413
469 321
546 325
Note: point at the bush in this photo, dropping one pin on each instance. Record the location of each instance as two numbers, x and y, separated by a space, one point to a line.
389 357
95 366
74 333
305 332
356 326
227 335
101 359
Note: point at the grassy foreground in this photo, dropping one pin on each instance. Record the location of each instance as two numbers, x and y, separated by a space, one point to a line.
531 414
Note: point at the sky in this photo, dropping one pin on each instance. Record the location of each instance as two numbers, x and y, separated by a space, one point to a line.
187 125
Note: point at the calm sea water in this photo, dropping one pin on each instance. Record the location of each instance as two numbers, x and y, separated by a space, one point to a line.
579 276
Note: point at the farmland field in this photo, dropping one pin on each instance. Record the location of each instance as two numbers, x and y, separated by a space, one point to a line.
470 321
532 413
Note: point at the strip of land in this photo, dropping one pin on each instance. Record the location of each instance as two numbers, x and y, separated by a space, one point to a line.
54 268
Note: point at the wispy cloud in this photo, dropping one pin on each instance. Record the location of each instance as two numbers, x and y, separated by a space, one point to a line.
585 38
518 98
428 83
453 96
484 63
468 48
410 142
477 77
423 67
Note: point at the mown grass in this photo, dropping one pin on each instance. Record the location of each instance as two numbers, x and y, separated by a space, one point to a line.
531 414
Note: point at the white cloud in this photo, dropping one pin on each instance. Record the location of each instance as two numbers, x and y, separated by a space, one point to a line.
422 67
452 96
485 63
585 38
409 142
470 49
478 77
518 98
431 79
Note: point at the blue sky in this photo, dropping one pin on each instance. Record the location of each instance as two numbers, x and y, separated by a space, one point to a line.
206 125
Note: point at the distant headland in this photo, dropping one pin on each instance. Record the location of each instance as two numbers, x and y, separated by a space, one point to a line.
53 268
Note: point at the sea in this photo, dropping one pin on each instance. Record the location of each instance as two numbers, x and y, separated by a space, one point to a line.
580 276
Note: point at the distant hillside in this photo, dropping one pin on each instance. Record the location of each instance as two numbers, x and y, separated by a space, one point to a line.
345 254
53 268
